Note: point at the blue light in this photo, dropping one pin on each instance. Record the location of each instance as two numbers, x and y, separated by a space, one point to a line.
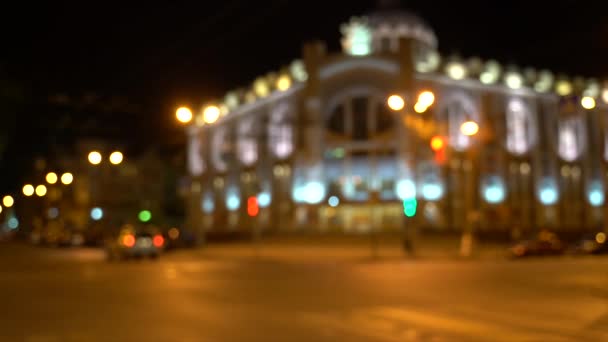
314 192
432 191
264 199
298 194
96 214
208 204
406 188
233 201
333 201
494 190
595 194
548 194
13 223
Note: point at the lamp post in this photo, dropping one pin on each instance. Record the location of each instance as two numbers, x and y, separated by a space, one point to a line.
469 128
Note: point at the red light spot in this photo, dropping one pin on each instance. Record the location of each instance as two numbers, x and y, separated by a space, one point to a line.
128 240
158 241
252 206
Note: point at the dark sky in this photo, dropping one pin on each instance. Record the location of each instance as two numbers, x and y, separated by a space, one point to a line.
159 55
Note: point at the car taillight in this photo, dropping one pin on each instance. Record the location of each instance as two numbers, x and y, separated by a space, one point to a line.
158 241
128 240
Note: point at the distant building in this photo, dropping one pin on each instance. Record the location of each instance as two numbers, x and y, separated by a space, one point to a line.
316 147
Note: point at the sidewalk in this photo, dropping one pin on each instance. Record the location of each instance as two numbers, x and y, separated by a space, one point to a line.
350 248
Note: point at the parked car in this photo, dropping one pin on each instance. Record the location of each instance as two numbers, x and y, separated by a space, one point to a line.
546 243
591 244
135 242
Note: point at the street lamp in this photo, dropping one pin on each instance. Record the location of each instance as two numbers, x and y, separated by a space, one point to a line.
469 128
588 102
211 114
183 115
94 158
116 158
40 190
395 102
51 178
8 201
28 190
67 178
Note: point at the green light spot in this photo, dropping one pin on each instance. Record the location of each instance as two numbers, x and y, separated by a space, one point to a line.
145 215
410 206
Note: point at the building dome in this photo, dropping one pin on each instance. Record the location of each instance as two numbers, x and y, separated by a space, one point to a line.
392 24
381 30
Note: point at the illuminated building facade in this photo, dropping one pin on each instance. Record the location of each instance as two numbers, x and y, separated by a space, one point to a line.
319 149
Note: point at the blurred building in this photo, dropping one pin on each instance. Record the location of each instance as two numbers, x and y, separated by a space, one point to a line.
315 147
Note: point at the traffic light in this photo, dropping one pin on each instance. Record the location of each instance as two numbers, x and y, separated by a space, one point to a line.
410 205
252 206
438 145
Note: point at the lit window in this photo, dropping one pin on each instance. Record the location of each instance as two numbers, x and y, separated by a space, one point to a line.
571 138
247 146
280 131
195 159
219 145
460 110
520 127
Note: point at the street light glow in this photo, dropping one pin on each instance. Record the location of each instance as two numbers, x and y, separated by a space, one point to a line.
183 115
51 178
95 158
469 128
283 83
67 178
8 201
395 102
116 158
426 99
437 143
588 102
211 114
40 190
28 190
419 108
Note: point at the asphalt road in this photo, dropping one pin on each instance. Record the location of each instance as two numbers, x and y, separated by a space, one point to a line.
58 295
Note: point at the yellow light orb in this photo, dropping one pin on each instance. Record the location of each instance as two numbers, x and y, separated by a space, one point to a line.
456 71
600 237
0 209
51 178
40 190
437 143
67 178
426 98
283 83
588 102
260 87
395 102
8 201
183 115
116 157
211 114
420 108
94 158
605 95
563 88
469 128
28 190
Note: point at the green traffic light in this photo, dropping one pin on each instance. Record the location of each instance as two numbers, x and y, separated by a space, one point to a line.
145 215
410 206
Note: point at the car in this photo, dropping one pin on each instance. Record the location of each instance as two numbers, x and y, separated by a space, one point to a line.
591 244
135 242
546 243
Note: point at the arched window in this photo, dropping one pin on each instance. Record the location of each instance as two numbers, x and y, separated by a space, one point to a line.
520 127
459 109
571 137
280 131
360 118
247 145
196 164
219 146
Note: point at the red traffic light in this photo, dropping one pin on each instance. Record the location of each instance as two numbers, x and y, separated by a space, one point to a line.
252 206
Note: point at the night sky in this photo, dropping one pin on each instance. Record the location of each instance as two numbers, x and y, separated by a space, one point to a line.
152 57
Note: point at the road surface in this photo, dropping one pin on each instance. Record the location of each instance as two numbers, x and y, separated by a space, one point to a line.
74 295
